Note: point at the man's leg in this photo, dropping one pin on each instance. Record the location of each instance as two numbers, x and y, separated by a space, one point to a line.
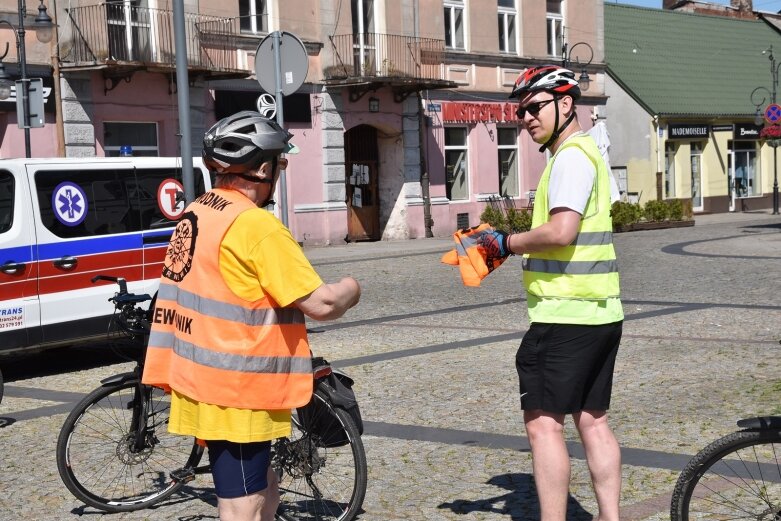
259 506
550 461
603 456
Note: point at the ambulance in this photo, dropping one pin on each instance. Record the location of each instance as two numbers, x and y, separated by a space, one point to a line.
65 220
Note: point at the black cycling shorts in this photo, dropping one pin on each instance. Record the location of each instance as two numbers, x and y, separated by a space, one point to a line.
239 469
567 368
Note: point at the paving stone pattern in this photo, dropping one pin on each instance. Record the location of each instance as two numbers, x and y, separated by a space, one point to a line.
434 369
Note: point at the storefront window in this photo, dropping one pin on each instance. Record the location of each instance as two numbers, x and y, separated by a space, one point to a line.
140 137
669 170
745 165
696 164
508 162
456 164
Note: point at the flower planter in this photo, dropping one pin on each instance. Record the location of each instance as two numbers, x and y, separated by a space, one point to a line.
655 225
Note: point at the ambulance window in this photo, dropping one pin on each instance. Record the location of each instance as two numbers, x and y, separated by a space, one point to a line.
88 202
6 201
144 198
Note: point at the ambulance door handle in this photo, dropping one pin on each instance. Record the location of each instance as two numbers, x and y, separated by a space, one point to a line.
66 263
12 268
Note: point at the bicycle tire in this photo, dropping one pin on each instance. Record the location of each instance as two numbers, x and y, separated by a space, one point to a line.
735 477
316 481
94 458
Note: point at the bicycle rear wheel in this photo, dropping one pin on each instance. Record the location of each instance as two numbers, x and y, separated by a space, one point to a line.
735 477
320 480
96 457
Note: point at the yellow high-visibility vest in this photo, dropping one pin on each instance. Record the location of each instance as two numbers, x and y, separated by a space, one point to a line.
587 268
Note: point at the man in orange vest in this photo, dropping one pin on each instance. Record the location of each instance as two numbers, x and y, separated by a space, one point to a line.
228 337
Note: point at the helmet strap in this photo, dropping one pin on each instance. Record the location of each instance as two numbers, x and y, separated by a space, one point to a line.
556 133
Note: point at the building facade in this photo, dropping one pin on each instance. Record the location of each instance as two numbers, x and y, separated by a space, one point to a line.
403 120
684 90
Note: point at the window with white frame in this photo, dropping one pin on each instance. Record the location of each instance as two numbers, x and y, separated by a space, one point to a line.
555 26
507 26
456 163
253 16
669 169
141 137
507 139
454 24
364 38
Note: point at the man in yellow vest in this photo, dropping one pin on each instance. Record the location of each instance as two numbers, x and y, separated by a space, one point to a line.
228 337
566 359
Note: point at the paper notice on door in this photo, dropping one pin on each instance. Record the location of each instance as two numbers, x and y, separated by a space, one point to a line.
357 198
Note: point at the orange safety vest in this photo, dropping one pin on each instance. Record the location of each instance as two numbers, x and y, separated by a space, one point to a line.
211 345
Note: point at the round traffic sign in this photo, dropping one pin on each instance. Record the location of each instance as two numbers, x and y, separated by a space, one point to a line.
170 203
294 63
773 113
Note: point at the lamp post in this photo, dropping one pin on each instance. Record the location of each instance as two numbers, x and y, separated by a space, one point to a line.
43 30
584 81
758 118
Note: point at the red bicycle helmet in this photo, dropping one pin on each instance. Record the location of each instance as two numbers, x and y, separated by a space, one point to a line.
551 78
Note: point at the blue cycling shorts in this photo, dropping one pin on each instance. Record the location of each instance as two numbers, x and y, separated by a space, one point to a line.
239 469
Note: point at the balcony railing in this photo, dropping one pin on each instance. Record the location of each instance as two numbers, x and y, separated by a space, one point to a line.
123 34
374 55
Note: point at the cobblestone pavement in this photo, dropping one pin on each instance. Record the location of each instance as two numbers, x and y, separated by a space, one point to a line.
433 364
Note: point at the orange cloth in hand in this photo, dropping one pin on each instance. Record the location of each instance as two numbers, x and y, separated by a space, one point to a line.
474 260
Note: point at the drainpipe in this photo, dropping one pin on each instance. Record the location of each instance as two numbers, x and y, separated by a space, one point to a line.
56 80
425 184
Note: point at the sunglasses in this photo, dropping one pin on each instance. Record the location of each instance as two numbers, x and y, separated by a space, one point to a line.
533 108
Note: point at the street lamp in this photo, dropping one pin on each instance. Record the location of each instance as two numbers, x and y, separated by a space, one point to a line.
43 26
758 118
584 81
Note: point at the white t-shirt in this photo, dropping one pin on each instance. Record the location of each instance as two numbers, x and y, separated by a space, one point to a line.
571 180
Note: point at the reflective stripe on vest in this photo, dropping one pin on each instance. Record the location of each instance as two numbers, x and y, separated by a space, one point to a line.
570 267
225 311
231 362
586 268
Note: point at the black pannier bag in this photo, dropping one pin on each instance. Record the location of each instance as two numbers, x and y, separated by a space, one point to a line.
314 416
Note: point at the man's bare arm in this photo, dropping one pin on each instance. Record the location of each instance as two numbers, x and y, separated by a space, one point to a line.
330 301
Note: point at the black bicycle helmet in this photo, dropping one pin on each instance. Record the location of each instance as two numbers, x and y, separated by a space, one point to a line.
243 141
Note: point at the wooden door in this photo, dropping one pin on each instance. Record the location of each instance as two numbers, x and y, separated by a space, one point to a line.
363 198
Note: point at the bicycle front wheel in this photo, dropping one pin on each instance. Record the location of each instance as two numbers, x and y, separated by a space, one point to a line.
102 463
735 477
321 477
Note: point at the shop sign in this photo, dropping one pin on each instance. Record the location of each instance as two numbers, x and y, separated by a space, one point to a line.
479 112
746 131
435 107
687 131
722 128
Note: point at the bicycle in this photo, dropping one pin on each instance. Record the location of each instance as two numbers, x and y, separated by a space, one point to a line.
114 451
735 477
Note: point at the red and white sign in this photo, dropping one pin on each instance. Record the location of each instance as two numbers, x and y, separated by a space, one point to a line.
166 198
461 112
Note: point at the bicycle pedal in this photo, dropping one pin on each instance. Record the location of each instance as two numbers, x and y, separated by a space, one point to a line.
184 475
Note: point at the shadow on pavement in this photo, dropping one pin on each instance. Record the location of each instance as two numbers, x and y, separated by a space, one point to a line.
63 360
520 502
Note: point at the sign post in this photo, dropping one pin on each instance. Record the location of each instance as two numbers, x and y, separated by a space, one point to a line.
285 55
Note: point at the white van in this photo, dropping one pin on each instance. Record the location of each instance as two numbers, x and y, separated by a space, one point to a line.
63 221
